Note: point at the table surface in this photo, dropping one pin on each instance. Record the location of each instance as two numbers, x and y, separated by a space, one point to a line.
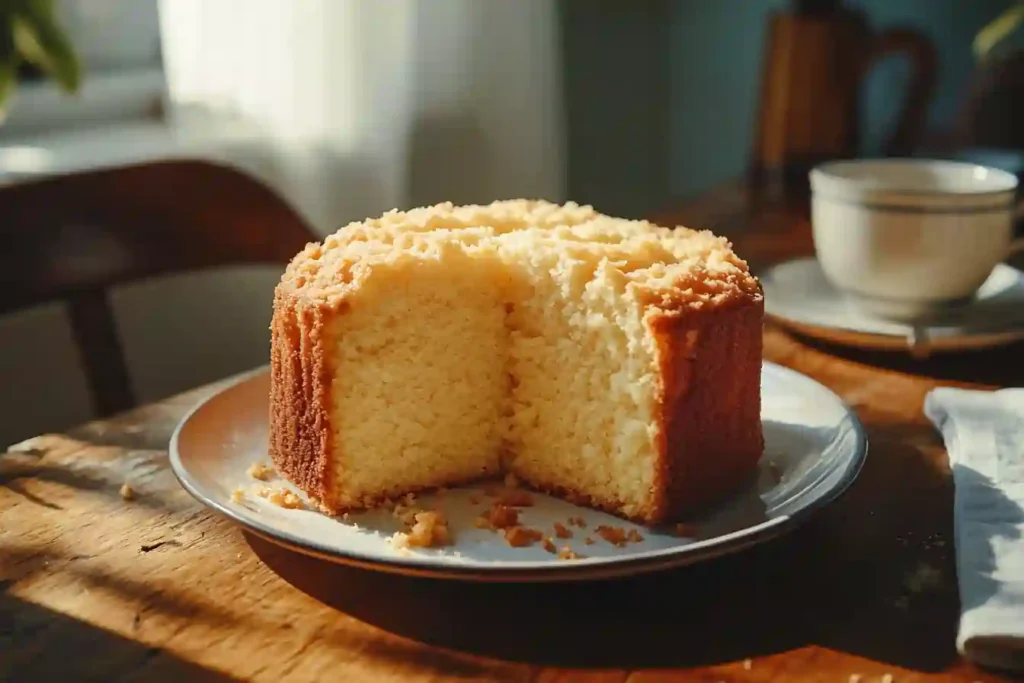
94 587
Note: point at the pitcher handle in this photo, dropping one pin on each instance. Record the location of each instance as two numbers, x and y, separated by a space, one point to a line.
921 52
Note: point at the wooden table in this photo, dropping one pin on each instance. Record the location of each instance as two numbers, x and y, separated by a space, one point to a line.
94 587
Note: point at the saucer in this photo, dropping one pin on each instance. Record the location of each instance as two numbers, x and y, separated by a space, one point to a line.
798 296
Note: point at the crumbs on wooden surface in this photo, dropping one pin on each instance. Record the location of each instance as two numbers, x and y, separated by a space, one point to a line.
260 471
429 530
520 536
127 492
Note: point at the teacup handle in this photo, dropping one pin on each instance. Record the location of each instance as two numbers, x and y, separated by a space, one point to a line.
1017 245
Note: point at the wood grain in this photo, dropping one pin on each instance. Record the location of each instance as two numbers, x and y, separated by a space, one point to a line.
159 589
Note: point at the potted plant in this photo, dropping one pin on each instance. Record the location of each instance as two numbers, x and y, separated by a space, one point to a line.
32 40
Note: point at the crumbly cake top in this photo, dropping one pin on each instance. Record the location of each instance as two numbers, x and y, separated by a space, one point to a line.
671 266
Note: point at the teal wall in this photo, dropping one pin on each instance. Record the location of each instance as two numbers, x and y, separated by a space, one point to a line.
661 94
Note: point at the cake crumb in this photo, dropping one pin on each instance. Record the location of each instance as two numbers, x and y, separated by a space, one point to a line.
429 530
409 499
127 492
238 495
516 498
483 523
748 664
260 471
549 545
561 531
520 537
263 492
406 514
588 541
613 534
511 481
282 497
634 536
501 516
567 553
578 521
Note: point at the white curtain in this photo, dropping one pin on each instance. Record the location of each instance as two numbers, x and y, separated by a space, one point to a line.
372 104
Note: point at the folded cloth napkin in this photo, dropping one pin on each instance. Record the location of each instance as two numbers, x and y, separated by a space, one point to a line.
984 435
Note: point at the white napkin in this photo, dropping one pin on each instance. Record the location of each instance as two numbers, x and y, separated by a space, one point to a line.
984 435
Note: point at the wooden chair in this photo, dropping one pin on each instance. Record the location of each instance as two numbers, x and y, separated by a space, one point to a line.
72 237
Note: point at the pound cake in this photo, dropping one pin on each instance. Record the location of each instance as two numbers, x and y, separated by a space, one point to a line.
615 363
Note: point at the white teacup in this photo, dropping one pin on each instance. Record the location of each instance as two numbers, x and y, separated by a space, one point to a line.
908 238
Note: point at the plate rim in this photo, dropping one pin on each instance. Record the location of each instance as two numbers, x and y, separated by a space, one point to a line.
533 571
940 338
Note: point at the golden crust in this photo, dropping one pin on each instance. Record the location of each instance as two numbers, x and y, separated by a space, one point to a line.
709 425
301 367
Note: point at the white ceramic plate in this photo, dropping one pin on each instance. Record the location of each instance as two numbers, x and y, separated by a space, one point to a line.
798 296
814 449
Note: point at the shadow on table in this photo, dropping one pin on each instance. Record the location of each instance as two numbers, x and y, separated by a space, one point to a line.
996 366
38 644
844 581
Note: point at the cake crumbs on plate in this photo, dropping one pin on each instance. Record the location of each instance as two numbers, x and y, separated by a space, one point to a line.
567 553
588 541
429 530
549 545
561 531
502 516
406 513
282 497
520 536
238 495
578 522
260 471
127 492
634 536
615 535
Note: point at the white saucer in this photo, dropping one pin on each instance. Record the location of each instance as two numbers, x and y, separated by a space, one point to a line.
814 448
798 296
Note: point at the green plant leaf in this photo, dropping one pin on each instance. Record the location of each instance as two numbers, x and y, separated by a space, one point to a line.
40 40
997 30
9 61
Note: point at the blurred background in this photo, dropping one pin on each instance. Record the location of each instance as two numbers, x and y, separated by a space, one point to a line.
347 108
